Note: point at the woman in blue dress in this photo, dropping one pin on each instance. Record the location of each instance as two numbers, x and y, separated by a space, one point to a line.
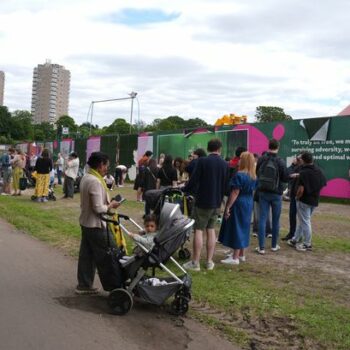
235 228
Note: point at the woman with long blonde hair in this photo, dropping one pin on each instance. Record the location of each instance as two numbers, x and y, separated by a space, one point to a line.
235 228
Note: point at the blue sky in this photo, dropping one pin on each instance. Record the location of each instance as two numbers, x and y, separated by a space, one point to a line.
192 58
136 17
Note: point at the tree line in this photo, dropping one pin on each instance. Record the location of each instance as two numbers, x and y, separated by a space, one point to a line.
19 126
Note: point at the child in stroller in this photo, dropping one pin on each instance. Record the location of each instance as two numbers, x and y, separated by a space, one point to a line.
146 237
174 229
155 200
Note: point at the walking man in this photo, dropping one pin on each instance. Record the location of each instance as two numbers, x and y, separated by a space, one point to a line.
272 173
310 182
208 184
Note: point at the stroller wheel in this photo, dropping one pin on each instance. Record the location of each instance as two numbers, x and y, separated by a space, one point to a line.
184 254
120 301
33 198
179 306
53 198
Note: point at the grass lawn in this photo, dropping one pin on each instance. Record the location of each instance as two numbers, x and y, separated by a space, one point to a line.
283 300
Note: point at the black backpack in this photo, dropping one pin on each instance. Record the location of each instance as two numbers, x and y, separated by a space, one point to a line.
268 176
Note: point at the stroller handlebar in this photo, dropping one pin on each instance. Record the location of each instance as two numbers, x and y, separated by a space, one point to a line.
107 218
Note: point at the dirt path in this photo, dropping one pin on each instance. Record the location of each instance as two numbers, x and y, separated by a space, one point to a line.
38 309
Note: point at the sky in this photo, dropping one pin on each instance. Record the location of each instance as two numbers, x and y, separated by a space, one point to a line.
191 58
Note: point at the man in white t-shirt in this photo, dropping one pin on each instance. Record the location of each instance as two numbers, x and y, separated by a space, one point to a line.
32 161
59 168
110 182
71 173
120 173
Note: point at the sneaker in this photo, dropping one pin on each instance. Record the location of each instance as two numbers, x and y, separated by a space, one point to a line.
292 242
260 251
242 258
255 234
86 290
275 249
230 261
44 199
228 253
287 238
4 194
269 235
190 265
303 247
210 265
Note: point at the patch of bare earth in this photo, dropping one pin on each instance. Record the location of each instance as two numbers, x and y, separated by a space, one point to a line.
320 272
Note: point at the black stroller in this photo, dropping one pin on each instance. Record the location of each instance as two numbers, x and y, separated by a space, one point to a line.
174 230
155 199
50 195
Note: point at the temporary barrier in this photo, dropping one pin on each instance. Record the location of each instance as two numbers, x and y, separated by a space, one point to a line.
328 139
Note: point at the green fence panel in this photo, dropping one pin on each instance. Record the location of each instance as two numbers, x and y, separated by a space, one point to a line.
109 145
127 146
80 148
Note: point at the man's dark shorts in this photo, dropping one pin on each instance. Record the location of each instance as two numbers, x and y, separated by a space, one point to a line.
205 218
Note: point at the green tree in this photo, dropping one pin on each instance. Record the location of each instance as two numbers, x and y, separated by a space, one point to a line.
195 123
22 126
67 122
171 123
44 131
4 140
84 129
174 123
5 122
266 114
139 126
119 126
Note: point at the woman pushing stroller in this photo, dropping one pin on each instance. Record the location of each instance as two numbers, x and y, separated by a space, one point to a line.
93 247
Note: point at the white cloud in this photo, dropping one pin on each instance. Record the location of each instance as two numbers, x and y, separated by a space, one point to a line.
213 58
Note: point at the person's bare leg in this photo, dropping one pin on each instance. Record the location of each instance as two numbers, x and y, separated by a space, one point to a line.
139 194
241 252
197 245
236 253
211 240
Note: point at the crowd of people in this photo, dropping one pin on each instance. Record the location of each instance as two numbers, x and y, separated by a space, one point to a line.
19 169
239 187
244 186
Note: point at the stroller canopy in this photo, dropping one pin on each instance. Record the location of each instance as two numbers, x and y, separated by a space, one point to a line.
174 230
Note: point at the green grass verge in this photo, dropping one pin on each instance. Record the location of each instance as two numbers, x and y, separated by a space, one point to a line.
258 291
331 244
314 315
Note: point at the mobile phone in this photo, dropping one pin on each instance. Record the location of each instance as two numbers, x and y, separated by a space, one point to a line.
118 198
